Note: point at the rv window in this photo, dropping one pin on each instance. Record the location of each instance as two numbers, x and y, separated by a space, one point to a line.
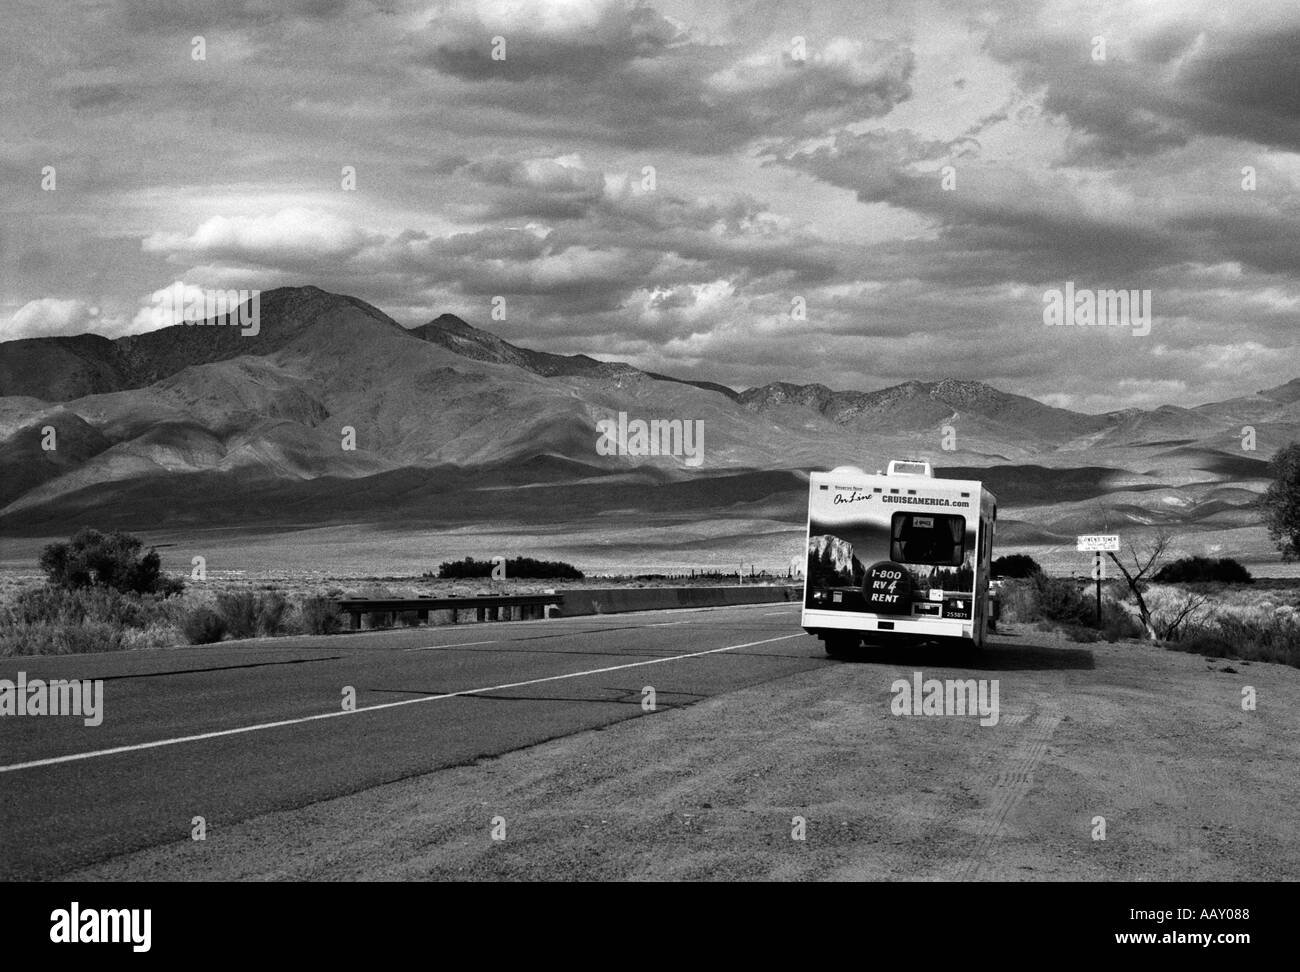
932 538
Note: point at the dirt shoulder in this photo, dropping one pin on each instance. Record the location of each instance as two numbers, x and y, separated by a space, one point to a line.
1191 786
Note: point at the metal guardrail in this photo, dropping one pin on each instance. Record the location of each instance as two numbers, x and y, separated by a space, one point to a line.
522 607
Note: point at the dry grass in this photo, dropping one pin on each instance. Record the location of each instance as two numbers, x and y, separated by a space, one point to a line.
1239 622
1252 622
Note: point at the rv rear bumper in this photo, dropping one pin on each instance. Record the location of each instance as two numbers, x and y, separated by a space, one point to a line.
884 625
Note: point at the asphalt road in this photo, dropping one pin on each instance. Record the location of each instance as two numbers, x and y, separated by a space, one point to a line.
231 732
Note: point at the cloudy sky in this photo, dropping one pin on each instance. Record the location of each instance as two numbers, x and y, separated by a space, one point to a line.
671 183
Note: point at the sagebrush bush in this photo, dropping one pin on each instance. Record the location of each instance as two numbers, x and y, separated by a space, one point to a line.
46 638
113 560
61 605
154 636
1203 569
272 613
1061 599
238 609
1015 565
319 615
1210 642
203 626
1256 629
1063 603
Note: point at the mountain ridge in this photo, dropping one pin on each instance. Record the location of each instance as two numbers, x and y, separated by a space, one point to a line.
334 391
136 360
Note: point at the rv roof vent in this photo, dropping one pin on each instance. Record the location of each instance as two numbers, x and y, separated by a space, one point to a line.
909 467
847 471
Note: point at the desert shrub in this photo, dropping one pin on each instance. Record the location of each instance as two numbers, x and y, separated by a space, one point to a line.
22 638
94 559
1015 565
319 615
518 567
1018 602
203 626
272 613
1280 504
1174 610
1204 641
1257 633
46 638
1201 569
238 609
1062 603
156 635
1268 638
1117 622
250 615
169 585
52 620
1061 599
66 606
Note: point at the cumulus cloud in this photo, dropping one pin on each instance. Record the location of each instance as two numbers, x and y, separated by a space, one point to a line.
847 78
51 317
579 39
167 306
1170 72
557 188
289 237
640 77
776 176
1004 221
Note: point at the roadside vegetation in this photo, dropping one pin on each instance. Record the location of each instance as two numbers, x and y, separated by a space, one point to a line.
515 567
104 592
1203 569
1279 507
107 592
1015 565
1221 619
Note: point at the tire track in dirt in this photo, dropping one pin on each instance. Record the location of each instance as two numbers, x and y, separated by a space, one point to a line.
1158 806
1009 787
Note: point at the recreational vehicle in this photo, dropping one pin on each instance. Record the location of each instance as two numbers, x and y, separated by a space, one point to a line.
897 557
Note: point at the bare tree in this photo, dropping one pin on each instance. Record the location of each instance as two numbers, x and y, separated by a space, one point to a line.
1168 630
1143 563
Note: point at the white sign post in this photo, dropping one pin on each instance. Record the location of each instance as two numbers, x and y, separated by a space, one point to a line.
1098 542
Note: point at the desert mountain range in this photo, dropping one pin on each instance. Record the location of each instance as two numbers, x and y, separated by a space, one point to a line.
200 426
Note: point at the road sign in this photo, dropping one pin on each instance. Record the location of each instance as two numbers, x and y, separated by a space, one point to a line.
1099 542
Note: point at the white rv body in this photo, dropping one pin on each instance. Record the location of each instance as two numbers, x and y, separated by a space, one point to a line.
899 556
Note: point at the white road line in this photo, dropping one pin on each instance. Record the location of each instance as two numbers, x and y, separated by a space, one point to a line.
770 613
462 644
668 624
72 757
